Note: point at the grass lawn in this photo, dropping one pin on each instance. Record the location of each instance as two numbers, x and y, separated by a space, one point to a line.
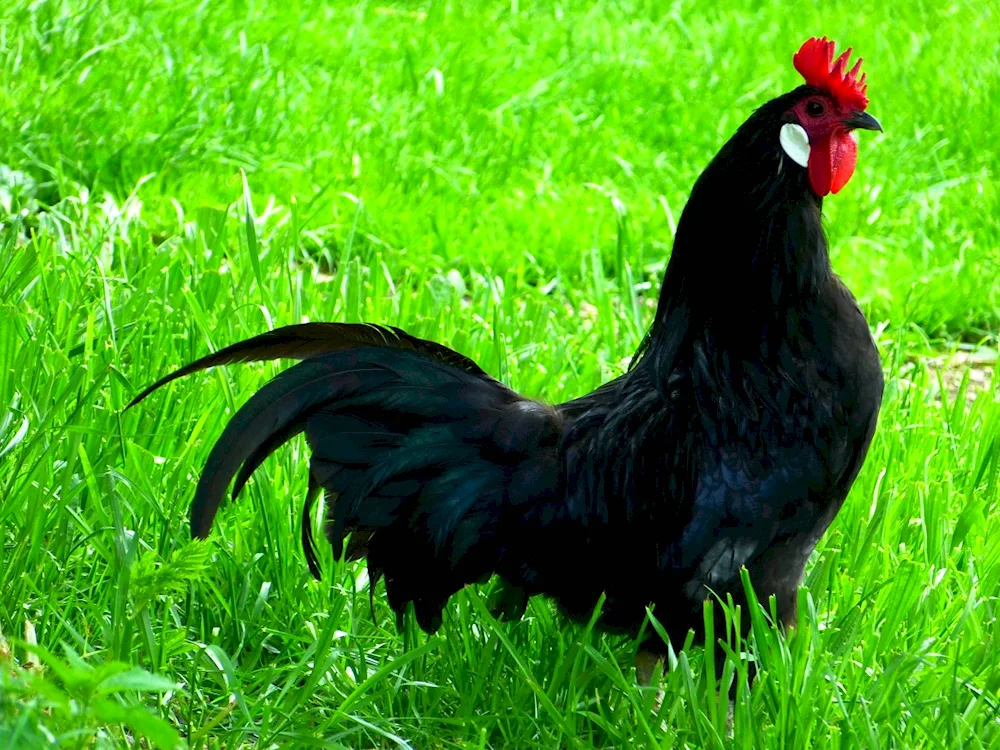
505 179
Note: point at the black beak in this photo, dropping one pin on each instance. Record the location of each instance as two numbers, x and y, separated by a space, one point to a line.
863 121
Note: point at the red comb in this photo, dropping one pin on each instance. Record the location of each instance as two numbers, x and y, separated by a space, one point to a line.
815 62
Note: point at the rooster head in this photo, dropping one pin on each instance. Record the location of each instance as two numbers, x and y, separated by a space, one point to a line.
818 130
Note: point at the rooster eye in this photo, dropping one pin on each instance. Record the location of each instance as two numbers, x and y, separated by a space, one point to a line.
814 108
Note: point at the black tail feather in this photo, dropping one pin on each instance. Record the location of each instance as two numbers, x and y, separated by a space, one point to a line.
307 340
308 546
280 409
270 444
427 462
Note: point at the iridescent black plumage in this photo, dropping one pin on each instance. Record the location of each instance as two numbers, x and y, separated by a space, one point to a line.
731 441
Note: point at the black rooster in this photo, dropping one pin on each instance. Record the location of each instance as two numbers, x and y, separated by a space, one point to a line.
732 440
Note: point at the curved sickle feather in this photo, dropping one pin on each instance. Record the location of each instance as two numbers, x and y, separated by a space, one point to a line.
278 408
306 340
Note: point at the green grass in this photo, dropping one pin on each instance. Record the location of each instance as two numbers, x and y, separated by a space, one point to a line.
504 179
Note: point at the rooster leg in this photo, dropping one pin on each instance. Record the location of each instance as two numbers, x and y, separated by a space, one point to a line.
645 666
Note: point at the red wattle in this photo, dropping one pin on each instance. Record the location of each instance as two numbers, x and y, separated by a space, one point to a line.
831 162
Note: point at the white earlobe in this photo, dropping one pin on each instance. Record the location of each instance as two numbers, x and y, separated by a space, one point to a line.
795 143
